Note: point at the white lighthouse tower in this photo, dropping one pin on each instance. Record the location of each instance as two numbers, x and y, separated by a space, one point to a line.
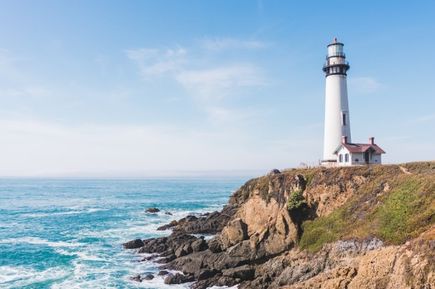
337 120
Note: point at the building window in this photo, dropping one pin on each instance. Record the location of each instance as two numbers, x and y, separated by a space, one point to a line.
340 158
346 158
344 119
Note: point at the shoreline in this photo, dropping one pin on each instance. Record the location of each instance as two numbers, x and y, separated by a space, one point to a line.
262 238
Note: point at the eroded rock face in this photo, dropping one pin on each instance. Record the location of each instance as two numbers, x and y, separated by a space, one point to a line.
364 265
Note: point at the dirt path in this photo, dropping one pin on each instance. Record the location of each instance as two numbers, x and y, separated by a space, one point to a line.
405 170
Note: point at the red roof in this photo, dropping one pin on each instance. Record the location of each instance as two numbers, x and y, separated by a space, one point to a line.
361 148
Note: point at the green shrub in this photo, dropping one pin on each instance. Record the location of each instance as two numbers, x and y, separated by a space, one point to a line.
296 200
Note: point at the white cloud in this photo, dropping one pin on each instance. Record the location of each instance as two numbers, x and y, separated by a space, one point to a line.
223 115
364 85
213 84
218 44
207 82
154 62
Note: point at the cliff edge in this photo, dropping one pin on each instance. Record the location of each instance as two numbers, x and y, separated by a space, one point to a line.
356 227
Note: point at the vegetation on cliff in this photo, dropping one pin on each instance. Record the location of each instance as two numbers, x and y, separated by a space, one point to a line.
393 206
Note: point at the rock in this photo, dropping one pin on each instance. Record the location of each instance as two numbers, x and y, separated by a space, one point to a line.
178 278
215 245
207 274
244 272
274 172
148 277
199 245
235 232
152 210
136 278
180 252
156 245
133 244
163 273
228 281
168 226
149 258
168 213
210 223
206 283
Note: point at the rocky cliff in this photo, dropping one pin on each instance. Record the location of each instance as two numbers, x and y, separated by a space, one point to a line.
357 227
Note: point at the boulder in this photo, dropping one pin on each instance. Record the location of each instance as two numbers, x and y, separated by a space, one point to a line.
199 245
181 251
274 172
148 277
215 245
133 244
178 278
235 232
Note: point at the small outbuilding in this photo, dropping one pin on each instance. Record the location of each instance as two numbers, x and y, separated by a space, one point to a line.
351 154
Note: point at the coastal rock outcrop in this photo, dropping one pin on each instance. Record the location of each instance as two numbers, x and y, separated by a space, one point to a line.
152 210
133 244
358 227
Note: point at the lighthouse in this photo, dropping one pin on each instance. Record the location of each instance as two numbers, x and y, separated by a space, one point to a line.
337 120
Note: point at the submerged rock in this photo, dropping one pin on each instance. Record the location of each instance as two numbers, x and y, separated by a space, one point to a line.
152 210
148 277
163 273
136 278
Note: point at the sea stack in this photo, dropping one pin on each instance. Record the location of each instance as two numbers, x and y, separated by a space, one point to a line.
337 120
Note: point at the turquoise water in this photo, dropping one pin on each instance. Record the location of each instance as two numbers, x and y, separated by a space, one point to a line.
68 233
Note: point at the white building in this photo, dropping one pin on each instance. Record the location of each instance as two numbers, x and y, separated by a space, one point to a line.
338 149
351 154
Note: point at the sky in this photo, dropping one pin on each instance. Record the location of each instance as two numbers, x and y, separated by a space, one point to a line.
142 88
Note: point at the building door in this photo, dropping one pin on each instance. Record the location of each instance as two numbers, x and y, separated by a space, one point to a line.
366 156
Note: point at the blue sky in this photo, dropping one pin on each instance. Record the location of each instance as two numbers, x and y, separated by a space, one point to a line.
136 88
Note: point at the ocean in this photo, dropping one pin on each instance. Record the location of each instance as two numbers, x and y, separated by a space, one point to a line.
68 233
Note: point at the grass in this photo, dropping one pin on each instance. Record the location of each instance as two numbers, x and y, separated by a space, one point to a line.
402 213
324 230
